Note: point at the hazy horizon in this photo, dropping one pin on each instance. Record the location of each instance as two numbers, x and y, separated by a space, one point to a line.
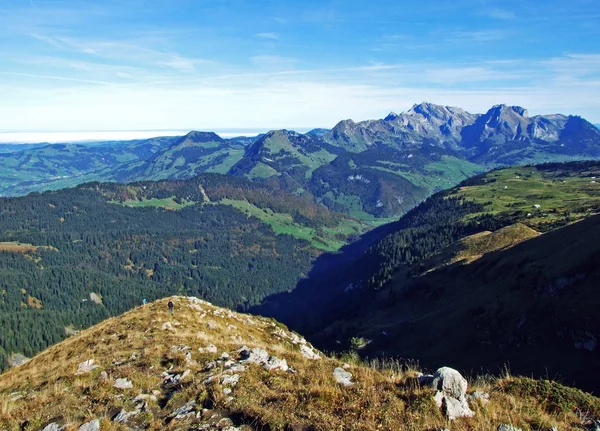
130 65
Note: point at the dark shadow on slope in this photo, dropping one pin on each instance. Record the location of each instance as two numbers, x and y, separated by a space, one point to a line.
532 307
328 292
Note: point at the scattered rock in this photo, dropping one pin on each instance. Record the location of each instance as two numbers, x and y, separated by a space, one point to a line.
506 427
103 376
227 391
184 410
274 363
123 384
451 396
211 324
86 367
124 416
342 376
168 326
53 427
231 380
254 356
309 352
261 357
172 378
93 425
211 348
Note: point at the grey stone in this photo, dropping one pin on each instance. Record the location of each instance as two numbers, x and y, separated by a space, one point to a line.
451 396
123 384
184 410
93 425
274 363
262 357
230 380
254 356
309 352
86 367
342 376
450 382
53 427
211 348
124 416
506 427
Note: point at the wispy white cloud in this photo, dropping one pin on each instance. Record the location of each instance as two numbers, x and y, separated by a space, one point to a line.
477 36
498 13
273 36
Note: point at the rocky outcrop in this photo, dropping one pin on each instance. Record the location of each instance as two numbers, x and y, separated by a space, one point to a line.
343 377
451 395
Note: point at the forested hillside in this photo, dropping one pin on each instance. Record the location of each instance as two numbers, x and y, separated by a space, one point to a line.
73 257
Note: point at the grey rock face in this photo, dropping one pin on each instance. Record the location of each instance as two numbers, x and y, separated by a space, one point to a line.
53 427
343 377
451 396
93 425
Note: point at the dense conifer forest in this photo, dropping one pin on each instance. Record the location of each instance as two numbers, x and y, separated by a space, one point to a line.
57 248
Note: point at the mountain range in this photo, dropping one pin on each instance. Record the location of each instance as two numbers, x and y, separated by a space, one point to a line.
375 168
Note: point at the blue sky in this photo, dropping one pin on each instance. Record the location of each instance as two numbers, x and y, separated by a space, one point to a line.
255 65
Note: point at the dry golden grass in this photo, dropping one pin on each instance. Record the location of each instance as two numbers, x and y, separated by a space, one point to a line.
385 396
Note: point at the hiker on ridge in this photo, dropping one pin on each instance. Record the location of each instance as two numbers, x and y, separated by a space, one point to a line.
171 306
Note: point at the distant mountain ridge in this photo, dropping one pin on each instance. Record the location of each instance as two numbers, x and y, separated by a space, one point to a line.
374 168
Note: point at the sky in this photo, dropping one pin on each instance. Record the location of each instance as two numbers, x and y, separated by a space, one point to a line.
174 65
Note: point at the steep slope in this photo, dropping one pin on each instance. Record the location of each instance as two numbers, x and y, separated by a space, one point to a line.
71 258
423 123
531 306
209 368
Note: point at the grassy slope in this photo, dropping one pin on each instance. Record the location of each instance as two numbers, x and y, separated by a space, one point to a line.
134 346
558 192
329 239
326 239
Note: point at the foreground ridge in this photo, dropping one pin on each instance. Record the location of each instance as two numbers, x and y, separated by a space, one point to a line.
208 368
